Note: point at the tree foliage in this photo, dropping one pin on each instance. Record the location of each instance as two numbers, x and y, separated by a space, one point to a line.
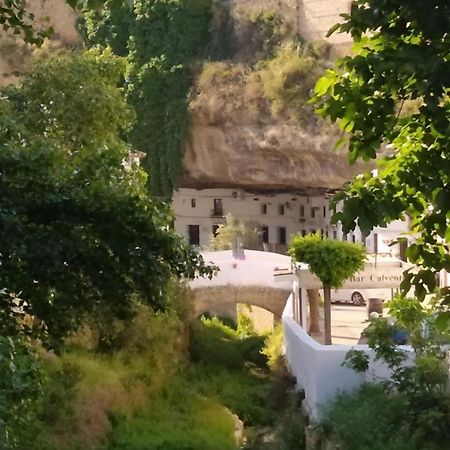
78 232
160 39
415 397
15 18
393 94
227 234
331 261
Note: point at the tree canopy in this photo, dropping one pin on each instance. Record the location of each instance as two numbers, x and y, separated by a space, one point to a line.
392 95
331 261
161 39
227 234
15 18
78 232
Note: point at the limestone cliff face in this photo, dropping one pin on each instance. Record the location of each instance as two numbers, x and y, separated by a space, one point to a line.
269 155
247 132
16 56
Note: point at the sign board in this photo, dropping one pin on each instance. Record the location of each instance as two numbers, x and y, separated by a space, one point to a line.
369 278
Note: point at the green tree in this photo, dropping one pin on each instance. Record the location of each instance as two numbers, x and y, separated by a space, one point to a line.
331 261
392 94
78 230
227 235
161 40
20 386
14 17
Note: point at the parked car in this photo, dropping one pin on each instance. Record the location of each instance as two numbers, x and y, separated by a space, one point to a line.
359 297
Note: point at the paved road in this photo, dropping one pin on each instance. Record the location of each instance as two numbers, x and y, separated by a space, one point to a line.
347 323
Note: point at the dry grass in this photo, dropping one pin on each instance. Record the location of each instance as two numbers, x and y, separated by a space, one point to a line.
278 87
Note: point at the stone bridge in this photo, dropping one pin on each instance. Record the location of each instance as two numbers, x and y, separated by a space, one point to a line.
257 278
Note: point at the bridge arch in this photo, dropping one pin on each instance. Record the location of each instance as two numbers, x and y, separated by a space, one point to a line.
262 279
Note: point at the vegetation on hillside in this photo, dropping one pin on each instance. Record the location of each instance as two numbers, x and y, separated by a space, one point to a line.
409 410
160 39
277 86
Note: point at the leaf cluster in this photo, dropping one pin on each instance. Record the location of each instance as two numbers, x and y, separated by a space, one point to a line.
161 39
415 397
15 18
331 261
78 231
401 58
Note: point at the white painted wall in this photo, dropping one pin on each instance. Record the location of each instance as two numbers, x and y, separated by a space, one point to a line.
255 269
248 207
318 368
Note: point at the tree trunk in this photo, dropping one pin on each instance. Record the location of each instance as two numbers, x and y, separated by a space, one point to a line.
314 314
327 315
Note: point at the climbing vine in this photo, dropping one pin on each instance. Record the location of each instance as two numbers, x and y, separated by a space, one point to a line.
161 39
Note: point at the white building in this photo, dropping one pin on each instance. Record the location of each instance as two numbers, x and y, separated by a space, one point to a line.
199 212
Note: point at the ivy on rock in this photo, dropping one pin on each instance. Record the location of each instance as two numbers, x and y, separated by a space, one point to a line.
161 39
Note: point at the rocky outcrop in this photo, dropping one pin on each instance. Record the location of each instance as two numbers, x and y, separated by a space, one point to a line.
265 155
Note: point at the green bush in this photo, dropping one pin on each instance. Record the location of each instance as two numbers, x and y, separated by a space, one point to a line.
411 409
288 78
213 341
245 392
20 389
177 420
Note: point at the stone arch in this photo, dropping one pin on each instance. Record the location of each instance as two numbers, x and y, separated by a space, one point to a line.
270 299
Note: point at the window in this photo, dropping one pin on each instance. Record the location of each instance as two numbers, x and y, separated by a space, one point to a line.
218 207
334 234
194 234
353 238
265 234
324 211
281 210
303 233
264 208
314 210
282 235
302 210
193 203
215 227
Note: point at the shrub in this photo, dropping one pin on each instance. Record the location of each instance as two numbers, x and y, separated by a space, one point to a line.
211 340
273 348
20 389
288 78
411 409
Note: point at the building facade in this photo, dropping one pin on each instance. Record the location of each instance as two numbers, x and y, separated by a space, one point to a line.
199 212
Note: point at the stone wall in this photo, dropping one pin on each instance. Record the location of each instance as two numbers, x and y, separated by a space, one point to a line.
208 298
310 18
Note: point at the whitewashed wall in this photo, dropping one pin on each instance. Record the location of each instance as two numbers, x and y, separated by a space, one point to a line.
254 269
248 207
318 368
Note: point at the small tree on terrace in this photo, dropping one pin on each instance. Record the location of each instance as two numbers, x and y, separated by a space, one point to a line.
331 261
248 232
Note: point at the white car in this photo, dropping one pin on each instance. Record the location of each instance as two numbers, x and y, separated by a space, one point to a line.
360 296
